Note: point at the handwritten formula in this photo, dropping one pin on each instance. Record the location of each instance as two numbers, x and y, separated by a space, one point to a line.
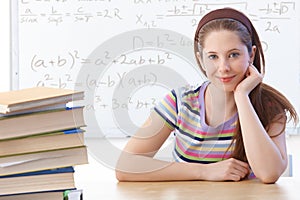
100 46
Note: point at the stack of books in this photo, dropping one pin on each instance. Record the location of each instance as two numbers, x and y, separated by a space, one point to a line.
41 140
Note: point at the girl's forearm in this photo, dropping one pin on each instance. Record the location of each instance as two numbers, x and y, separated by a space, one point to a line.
142 168
263 155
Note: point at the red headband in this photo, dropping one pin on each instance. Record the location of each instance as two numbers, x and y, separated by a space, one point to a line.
226 13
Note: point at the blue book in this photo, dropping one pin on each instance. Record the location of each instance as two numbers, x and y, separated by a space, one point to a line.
37 181
42 172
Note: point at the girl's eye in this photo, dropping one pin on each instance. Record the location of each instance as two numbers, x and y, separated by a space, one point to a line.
234 55
212 57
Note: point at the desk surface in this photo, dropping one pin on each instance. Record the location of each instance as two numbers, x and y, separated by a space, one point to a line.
285 189
98 181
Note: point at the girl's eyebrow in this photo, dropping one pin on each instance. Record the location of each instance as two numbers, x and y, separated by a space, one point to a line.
234 49
214 52
210 52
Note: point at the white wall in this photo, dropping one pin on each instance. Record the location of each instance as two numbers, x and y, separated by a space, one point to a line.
5 45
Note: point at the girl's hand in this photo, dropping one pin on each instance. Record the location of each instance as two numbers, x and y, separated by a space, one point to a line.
252 79
227 170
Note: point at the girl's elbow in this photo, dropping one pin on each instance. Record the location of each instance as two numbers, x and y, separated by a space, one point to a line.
120 176
272 175
269 179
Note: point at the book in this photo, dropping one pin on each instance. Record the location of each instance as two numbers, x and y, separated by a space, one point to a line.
37 181
70 194
36 109
42 142
41 122
16 100
73 195
47 195
22 163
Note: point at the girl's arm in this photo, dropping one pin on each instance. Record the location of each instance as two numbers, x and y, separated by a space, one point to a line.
136 163
266 151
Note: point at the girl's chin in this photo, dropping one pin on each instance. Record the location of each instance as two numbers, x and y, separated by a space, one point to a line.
227 87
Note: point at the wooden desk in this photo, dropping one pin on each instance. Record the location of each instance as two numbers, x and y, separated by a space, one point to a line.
98 182
285 189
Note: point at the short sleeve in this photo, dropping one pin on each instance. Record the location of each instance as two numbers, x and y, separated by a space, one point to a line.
167 109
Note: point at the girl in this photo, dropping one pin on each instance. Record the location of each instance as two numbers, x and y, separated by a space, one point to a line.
230 126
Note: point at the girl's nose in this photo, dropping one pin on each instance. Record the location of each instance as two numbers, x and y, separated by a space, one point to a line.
224 65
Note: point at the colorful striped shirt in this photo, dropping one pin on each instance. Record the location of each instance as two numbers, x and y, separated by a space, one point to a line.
195 141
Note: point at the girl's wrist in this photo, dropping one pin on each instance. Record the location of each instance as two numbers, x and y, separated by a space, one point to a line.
241 99
198 170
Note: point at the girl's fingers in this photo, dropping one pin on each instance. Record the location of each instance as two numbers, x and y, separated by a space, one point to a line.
254 69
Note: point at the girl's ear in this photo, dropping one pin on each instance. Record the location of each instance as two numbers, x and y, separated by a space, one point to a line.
200 60
252 55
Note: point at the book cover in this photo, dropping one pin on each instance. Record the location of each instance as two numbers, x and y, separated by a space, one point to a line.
69 169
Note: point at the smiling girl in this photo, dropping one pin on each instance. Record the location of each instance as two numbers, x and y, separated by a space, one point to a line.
229 127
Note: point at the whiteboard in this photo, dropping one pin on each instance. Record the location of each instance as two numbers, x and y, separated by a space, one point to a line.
126 55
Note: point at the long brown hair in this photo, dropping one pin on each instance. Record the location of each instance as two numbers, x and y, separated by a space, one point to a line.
270 105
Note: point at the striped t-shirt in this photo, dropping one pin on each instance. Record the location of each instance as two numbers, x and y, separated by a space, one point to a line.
195 141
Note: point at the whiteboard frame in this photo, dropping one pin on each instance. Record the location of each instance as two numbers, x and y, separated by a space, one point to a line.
14 72
14 69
